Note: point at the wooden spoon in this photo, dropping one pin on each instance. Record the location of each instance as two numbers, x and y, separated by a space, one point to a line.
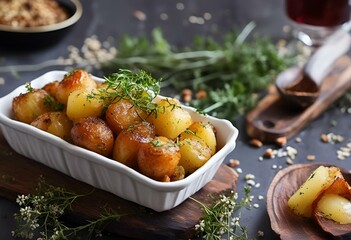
289 225
300 86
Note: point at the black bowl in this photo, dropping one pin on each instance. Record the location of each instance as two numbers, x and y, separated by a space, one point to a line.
42 36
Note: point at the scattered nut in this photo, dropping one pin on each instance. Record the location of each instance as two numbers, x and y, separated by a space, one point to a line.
281 141
325 138
269 153
201 94
234 163
256 143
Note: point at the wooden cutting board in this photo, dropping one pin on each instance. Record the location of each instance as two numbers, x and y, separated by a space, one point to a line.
19 174
273 117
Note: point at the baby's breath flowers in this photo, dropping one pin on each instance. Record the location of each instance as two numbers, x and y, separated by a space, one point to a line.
43 209
218 219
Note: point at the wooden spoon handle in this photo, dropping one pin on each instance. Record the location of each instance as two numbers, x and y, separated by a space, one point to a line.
319 65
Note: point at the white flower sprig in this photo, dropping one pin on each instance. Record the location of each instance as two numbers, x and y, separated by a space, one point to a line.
218 219
43 209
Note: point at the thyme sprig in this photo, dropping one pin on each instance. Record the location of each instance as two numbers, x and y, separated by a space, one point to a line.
44 209
138 87
219 219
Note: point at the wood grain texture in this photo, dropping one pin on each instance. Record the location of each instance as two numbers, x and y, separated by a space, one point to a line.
273 117
19 175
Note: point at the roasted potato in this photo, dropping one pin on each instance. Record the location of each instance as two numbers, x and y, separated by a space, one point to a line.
28 106
335 207
170 119
81 103
159 158
194 153
128 142
301 201
73 80
56 123
93 134
203 131
121 114
51 88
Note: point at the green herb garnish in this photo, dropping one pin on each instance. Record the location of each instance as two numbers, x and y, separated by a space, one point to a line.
219 219
43 209
140 88
233 72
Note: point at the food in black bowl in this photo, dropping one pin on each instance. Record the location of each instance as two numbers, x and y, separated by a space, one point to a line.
28 24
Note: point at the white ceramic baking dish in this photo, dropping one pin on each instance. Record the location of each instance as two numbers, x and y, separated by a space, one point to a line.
102 172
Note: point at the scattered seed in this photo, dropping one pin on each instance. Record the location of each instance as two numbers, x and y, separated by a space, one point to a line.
298 139
311 157
239 170
289 161
260 197
141 16
251 182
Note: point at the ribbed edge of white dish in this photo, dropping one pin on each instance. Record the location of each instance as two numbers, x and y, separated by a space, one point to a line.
102 172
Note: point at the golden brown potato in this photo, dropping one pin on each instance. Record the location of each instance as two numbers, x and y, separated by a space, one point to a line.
170 118
121 114
128 142
51 88
159 158
56 123
80 105
73 80
93 134
28 106
194 153
204 131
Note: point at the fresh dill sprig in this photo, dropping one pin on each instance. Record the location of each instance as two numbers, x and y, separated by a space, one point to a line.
43 209
140 88
219 220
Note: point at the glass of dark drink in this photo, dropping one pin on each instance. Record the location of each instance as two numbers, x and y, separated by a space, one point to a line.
315 20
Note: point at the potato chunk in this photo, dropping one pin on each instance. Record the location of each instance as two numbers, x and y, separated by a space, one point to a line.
335 207
56 123
92 133
121 114
28 106
159 158
203 131
301 201
194 154
171 119
80 104
128 142
72 81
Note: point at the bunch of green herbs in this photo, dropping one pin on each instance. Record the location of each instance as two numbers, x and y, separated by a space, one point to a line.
219 220
233 71
43 209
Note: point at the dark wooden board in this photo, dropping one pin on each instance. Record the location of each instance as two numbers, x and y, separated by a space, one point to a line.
19 174
273 117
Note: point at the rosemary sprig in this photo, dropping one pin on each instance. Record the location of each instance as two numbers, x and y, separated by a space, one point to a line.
43 210
232 71
219 219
